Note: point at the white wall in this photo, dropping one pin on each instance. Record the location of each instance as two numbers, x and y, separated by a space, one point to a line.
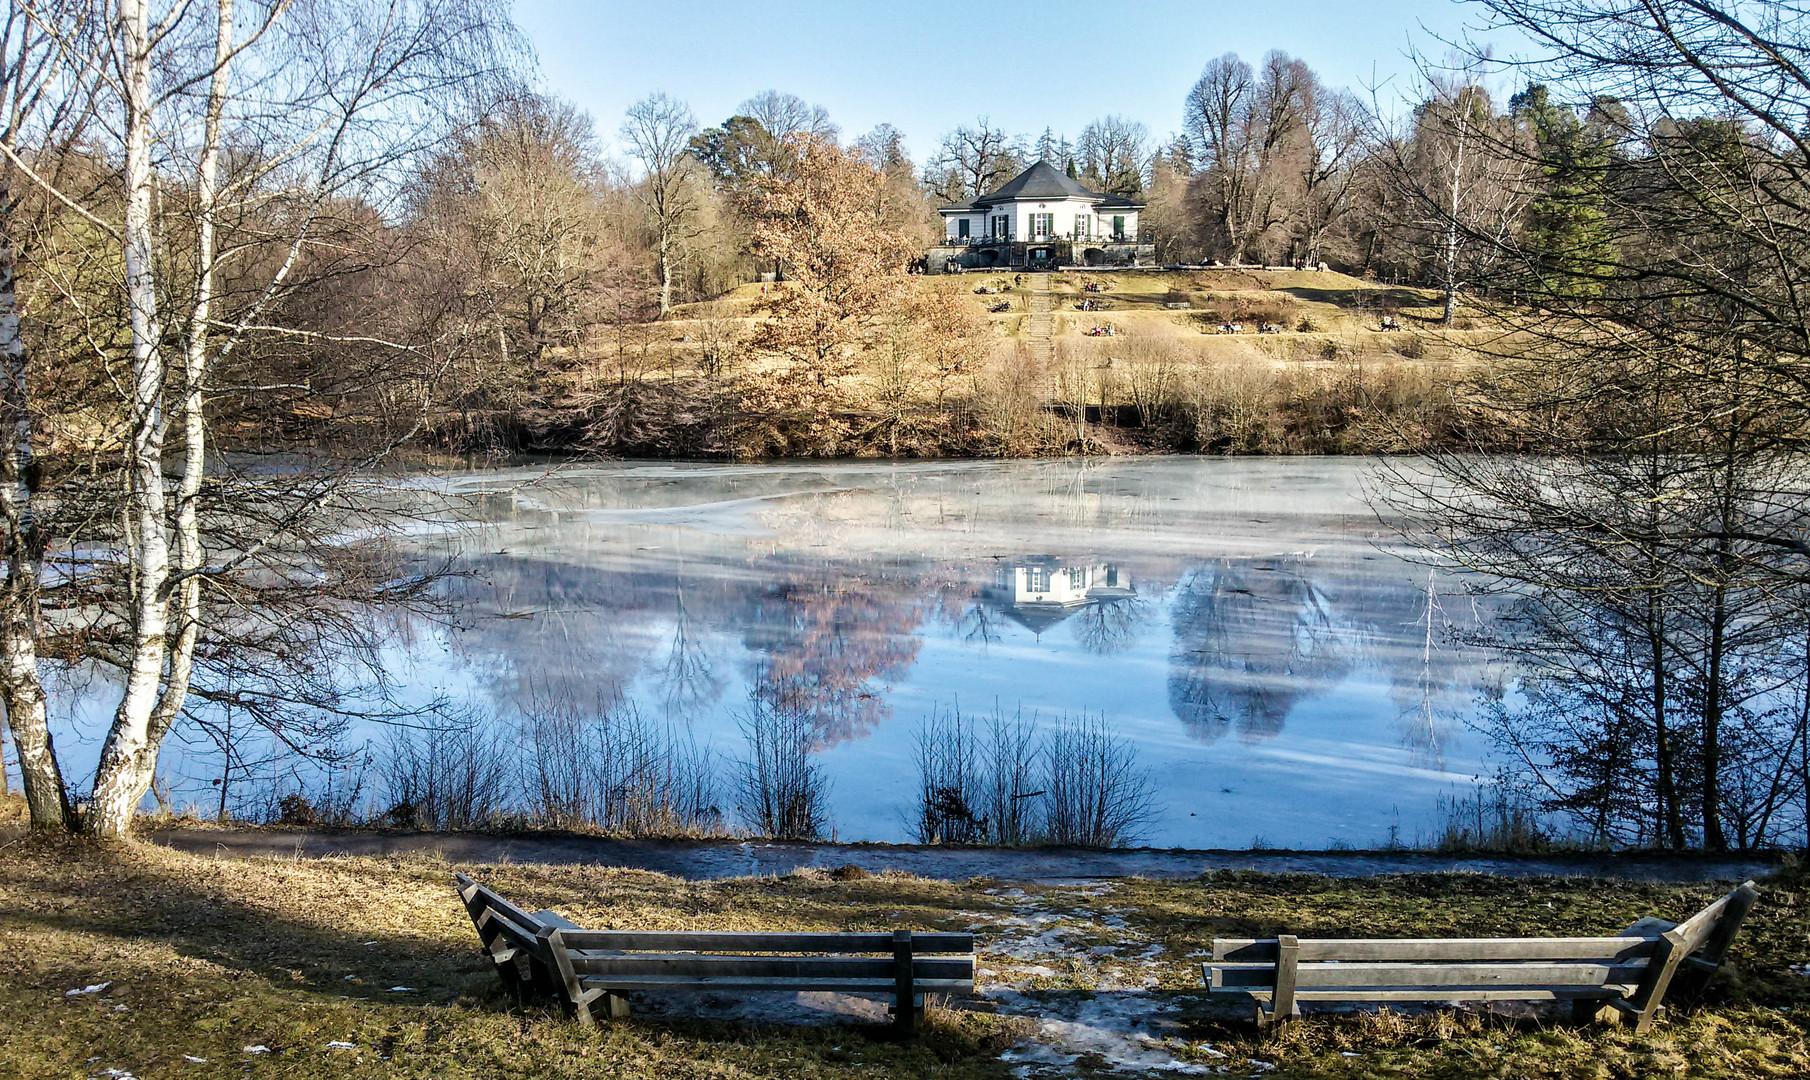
977 224
1063 212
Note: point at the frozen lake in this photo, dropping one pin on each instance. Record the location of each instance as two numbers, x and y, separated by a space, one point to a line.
1244 623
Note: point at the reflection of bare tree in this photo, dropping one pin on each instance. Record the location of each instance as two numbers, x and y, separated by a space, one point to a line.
978 625
688 679
1250 641
1106 627
537 629
831 644
1425 688
955 603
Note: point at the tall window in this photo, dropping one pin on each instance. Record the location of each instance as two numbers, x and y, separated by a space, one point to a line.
961 228
1002 226
1083 223
1118 226
1037 579
1041 225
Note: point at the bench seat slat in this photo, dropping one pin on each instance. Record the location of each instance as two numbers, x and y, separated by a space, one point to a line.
1237 976
554 918
1246 950
1446 993
739 982
719 941
704 965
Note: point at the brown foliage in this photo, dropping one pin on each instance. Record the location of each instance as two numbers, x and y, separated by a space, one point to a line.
823 221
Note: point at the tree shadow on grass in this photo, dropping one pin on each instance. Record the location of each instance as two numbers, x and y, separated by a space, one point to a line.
111 895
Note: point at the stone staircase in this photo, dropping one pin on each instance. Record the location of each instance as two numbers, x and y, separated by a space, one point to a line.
1040 323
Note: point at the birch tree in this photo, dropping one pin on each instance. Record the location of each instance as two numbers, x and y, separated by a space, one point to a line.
320 102
46 95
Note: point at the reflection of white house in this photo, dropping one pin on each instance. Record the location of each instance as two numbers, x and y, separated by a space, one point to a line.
1041 217
1041 592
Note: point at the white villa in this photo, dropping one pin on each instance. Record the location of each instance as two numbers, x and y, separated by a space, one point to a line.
1041 217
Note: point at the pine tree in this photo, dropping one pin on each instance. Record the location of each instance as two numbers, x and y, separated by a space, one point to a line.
1568 228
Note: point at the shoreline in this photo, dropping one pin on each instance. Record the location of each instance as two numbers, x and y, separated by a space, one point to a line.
705 860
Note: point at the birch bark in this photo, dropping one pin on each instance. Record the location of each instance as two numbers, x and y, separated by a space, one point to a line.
129 756
21 692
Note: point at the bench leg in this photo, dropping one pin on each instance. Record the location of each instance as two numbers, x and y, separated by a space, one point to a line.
907 1003
1282 999
578 999
542 981
906 1021
1594 1011
1661 966
612 1006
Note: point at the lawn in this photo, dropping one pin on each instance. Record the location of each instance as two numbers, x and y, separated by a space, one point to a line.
369 967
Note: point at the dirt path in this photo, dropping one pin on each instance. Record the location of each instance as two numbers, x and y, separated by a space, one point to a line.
724 859
1040 323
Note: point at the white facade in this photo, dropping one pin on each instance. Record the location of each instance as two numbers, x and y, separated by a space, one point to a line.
1022 220
1054 583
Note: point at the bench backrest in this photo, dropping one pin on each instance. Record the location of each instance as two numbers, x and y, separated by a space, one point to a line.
730 941
1638 965
496 917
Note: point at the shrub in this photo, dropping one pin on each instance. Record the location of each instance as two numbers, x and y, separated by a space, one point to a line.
781 790
295 809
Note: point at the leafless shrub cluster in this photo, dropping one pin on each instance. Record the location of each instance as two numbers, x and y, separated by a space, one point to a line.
780 790
448 778
617 771
1007 780
1095 793
613 771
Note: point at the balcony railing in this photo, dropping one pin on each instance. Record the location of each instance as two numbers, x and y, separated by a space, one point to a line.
1065 238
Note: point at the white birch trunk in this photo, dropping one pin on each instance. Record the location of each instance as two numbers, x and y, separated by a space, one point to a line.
46 797
1453 206
128 758
187 607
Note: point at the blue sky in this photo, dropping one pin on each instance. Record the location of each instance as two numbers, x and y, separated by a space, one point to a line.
927 67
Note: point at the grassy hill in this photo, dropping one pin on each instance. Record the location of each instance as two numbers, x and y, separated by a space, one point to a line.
1329 379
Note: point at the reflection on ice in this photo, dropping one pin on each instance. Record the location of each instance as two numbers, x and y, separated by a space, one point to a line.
1041 591
1186 599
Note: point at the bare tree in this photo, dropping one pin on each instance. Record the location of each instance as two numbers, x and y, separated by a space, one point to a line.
785 115
974 160
780 789
47 94
658 131
1114 155
1096 795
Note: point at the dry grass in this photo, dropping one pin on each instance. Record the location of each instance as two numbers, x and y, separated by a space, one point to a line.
208 957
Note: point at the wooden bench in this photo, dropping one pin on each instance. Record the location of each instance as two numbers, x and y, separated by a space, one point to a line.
1603 977
590 971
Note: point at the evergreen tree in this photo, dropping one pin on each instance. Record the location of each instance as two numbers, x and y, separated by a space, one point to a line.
1568 229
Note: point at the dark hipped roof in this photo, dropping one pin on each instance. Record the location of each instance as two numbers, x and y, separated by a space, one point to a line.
1043 181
